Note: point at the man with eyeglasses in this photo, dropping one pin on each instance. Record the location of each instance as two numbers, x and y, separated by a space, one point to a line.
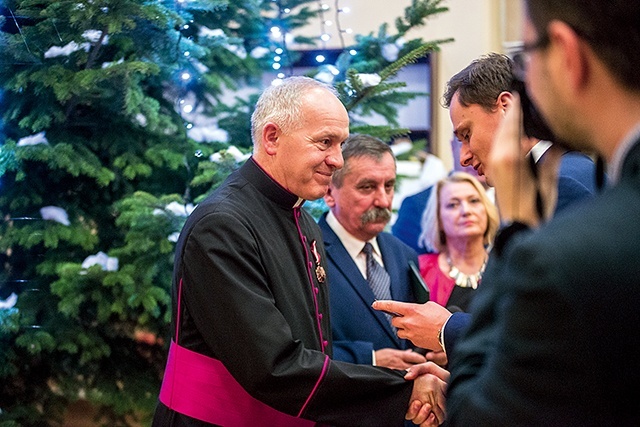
554 337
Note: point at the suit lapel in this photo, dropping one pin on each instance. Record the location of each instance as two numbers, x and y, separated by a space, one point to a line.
392 267
338 256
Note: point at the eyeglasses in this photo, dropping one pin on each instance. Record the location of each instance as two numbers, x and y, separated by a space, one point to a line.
522 57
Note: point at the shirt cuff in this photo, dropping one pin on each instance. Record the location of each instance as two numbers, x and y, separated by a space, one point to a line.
441 334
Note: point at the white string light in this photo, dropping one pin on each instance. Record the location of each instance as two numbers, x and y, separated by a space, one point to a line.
281 35
340 10
325 35
324 23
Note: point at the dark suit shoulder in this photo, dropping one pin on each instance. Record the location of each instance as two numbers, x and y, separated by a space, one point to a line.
593 242
388 239
576 180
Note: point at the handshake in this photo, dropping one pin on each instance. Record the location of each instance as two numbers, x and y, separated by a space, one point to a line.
427 403
420 323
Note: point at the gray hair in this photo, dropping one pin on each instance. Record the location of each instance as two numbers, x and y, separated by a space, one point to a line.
282 104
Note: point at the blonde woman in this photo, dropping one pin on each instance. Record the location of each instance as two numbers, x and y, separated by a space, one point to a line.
458 227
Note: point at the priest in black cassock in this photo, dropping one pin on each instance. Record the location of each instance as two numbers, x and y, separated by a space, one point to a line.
251 340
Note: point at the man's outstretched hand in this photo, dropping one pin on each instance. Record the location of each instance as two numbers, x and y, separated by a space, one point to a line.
419 323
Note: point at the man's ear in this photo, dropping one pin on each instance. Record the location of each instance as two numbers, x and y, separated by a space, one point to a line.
504 101
328 197
270 134
573 55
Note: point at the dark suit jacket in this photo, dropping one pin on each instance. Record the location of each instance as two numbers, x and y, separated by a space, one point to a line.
576 180
357 328
407 226
553 339
453 329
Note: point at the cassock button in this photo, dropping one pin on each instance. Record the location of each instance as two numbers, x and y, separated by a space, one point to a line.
320 316
316 290
325 343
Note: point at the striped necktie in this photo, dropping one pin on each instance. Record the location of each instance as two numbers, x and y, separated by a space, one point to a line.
377 276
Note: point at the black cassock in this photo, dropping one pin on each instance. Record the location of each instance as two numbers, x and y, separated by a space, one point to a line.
254 298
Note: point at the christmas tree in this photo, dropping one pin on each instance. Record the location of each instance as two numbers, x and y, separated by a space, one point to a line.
116 121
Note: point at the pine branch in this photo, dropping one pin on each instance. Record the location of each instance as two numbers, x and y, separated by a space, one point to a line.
385 133
417 14
359 93
411 57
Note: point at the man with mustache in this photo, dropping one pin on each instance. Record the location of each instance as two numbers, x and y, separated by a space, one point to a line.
251 329
360 197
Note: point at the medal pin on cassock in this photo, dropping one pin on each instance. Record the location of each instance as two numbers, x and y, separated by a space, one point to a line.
321 275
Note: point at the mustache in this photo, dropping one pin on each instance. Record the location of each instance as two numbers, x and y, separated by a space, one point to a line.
376 215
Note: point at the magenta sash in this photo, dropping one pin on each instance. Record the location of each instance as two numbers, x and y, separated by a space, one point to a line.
201 387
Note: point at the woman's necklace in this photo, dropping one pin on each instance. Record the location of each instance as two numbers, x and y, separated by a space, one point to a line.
465 280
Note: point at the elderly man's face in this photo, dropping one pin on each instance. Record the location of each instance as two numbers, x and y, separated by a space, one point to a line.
307 156
363 203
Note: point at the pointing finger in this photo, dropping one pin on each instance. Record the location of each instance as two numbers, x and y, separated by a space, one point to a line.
393 308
